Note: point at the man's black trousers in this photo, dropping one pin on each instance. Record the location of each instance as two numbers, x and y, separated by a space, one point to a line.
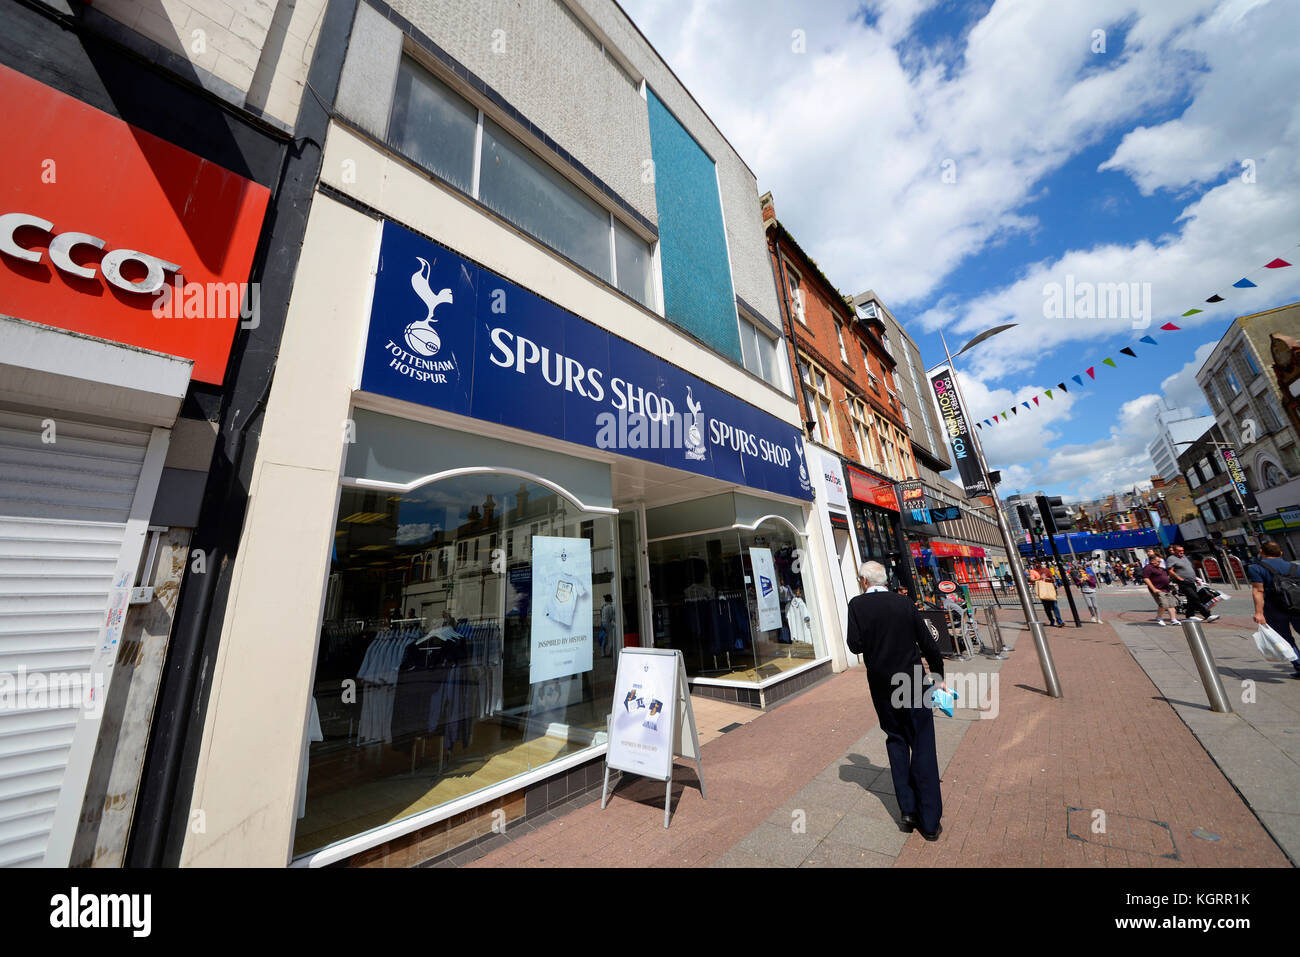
913 763
1194 604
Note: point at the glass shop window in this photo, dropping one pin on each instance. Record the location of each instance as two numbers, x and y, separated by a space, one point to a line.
437 678
734 603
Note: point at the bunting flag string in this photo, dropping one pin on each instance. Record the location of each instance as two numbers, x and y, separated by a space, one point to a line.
1245 282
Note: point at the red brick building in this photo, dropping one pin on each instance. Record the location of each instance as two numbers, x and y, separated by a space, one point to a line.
845 375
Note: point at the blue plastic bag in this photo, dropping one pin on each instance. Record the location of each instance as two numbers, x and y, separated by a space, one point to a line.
943 700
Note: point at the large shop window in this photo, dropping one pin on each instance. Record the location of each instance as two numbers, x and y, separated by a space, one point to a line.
734 603
437 128
463 644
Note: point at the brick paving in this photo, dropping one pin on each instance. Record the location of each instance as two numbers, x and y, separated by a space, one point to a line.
1112 745
1109 776
748 773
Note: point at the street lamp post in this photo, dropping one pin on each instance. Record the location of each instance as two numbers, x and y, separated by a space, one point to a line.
1017 575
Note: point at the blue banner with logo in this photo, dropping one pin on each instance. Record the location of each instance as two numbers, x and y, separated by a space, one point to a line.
451 335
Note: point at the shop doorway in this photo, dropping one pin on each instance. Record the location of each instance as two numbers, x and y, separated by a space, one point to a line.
848 563
634 588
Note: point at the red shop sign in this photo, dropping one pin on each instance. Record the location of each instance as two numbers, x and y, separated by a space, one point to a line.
864 488
101 224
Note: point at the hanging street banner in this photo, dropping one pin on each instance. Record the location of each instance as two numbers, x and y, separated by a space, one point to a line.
959 437
1239 479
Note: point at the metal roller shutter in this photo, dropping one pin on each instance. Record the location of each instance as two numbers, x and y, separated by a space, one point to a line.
64 506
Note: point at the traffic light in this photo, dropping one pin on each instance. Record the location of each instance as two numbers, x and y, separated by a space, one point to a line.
1022 512
1056 517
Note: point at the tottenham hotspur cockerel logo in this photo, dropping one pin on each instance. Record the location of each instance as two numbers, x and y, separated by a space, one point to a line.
421 337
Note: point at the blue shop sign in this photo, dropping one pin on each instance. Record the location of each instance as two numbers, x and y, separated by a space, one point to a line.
451 335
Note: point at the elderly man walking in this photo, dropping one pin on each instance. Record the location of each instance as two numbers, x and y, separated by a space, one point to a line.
892 637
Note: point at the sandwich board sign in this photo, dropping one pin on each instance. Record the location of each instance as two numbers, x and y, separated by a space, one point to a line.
652 720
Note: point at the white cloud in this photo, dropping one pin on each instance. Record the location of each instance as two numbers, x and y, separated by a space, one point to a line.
852 138
1181 388
414 532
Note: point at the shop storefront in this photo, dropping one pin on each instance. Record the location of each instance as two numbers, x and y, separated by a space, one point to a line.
521 495
93 447
876 524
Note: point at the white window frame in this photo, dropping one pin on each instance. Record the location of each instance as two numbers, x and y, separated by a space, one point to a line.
795 291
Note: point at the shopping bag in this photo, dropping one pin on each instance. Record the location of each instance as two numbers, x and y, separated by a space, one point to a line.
1272 645
943 700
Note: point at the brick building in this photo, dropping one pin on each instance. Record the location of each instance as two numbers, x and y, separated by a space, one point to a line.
852 412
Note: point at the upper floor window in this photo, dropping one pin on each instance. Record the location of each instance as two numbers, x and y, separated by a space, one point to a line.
796 294
1231 378
839 336
445 134
1250 361
817 395
761 353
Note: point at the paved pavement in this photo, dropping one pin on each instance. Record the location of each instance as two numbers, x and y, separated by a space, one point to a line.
1258 745
1109 775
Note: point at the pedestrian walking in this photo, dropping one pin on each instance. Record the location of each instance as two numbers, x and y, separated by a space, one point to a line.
1183 574
1158 584
1045 592
1275 586
892 638
1088 588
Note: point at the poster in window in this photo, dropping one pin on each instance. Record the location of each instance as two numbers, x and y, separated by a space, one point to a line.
769 599
561 607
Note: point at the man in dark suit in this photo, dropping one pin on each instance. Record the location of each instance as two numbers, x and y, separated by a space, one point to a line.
891 635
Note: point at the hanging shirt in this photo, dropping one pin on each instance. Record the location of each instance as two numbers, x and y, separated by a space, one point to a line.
800 621
564 592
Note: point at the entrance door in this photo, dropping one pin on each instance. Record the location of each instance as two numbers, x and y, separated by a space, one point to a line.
633 582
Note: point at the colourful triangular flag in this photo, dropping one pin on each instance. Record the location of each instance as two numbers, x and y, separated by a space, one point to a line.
1128 352
1276 264
1215 298
1077 379
1026 405
1091 374
1109 362
979 425
1243 283
1035 400
1170 327
1061 386
1147 339
1015 411
1192 312
1049 393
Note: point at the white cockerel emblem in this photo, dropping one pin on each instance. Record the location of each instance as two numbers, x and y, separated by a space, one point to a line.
803 472
420 335
694 428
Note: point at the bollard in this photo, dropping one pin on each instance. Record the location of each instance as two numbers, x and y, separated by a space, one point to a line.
1205 665
995 648
1045 659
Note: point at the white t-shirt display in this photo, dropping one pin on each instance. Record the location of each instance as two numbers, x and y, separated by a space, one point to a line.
562 597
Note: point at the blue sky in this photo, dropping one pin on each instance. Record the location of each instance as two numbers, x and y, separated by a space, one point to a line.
982 151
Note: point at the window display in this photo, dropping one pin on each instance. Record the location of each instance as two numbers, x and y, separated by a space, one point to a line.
734 602
438 674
